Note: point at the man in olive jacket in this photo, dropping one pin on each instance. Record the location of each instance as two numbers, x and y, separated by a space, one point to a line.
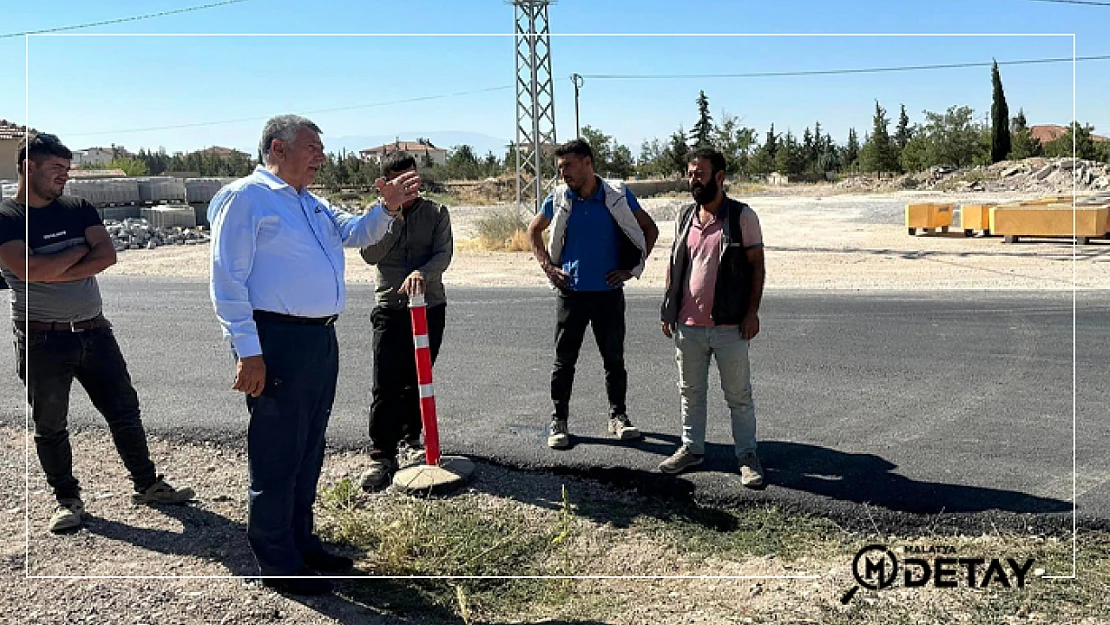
410 260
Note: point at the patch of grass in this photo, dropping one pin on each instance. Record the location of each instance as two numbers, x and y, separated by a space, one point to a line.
407 536
752 532
476 534
503 229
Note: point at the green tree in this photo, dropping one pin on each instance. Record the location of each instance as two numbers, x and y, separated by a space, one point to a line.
129 166
763 160
903 133
790 157
879 154
809 151
1000 118
914 156
462 164
653 160
1083 143
850 158
611 159
702 133
623 165
677 152
1022 143
602 147
953 138
735 141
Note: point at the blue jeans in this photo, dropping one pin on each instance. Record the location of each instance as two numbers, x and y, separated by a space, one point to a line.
93 358
285 442
693 348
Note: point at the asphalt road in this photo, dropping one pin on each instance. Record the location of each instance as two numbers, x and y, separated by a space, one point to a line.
932 408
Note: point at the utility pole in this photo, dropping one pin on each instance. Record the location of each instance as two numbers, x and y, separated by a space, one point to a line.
578 82
535 101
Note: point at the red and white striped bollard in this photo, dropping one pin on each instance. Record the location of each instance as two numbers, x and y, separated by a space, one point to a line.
419 312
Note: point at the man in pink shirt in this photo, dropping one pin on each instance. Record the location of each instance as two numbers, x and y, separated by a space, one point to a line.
711 309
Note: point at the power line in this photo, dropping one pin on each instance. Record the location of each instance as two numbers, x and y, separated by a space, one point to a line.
1086 2
327 110
828 72
121 20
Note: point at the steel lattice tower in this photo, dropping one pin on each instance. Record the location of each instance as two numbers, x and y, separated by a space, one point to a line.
535 101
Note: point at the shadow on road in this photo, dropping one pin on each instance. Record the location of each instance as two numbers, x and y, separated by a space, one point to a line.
836 477
868 478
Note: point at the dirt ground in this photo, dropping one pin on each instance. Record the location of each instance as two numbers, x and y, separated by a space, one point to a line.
812 242
190 565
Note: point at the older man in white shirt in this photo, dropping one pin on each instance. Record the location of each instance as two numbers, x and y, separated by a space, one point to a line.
277 286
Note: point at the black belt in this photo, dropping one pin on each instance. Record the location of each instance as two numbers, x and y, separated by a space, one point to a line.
66 326
266 315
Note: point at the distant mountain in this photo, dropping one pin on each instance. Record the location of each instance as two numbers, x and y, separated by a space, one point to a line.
445 139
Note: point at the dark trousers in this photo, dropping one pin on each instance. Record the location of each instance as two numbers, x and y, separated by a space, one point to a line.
604 312
395 398
92 357
285 442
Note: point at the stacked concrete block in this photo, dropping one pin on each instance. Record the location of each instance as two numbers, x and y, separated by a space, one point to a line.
203 189
135 234
161 189
108 192
170 216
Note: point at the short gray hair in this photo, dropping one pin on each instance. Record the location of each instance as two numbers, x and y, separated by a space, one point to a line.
284 127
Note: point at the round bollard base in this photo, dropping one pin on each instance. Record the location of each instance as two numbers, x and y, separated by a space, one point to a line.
451 472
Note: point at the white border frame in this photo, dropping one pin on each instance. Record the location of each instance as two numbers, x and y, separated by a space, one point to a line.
27 409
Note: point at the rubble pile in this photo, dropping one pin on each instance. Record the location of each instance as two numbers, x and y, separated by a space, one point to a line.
137 233
1034 176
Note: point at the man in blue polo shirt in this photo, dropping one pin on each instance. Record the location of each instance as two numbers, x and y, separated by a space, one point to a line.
600 239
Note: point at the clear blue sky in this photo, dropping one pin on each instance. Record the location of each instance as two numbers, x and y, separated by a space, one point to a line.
81 86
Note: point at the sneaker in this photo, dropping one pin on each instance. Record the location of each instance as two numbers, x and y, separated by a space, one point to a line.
751 470
378 473
161 492
558 434
681 460
68 514
308 583
621 427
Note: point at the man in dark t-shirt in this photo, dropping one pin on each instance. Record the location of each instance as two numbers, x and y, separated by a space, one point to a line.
51 248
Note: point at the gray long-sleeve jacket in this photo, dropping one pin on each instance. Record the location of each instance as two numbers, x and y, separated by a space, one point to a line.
421 241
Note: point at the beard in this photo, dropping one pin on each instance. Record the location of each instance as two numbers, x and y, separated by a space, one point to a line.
45 189
705 193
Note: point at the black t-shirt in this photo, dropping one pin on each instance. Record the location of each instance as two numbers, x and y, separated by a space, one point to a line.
51 229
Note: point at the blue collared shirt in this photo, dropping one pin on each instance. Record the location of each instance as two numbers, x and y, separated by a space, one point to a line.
591 247
279 250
